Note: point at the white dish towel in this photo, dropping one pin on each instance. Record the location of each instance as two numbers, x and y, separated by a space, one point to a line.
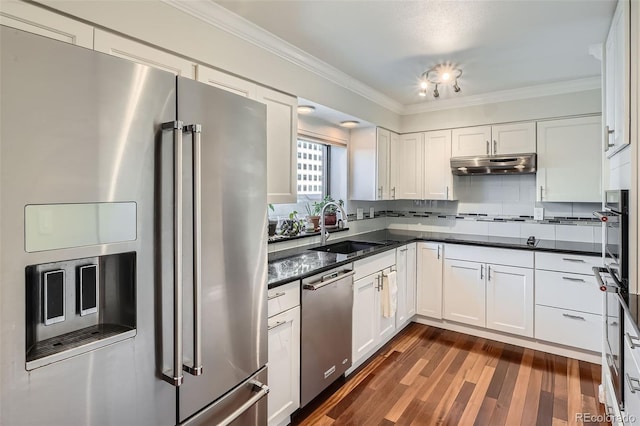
389 295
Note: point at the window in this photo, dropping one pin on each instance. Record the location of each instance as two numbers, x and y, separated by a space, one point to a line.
312 183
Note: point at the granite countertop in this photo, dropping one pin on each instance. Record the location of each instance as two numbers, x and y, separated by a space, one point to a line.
297 263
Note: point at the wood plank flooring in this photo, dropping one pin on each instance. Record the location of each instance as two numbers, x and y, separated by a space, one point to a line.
430 376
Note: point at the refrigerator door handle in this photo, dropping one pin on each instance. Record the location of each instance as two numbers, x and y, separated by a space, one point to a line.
175 376
262 390
196 368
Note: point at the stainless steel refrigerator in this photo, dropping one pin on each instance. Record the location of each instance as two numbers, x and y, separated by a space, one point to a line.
132 243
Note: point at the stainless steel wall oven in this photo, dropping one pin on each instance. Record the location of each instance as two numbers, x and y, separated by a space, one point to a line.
614 281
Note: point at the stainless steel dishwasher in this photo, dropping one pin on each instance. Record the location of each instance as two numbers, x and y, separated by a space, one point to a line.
327 304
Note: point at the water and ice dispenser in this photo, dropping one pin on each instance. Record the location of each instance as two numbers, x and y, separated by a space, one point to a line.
78 305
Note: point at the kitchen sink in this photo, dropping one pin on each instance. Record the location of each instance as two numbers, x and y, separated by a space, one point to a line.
347 247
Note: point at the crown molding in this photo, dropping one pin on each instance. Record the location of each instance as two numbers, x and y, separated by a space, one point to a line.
529 92
222 18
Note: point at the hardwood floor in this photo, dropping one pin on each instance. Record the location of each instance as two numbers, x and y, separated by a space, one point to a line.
429 376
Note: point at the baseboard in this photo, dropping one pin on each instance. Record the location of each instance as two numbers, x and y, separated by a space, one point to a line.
569 352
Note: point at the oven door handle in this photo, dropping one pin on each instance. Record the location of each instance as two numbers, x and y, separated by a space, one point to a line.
604 286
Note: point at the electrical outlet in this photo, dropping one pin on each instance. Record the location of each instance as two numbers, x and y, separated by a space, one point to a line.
538 213
371 212
359 213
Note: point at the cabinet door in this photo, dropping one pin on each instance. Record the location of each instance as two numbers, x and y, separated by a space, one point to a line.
284 365
227 82
510 299
366 311
471 141
429 279
519 138
26 17
438 180
408 166
282 133
395 165
401 275
616 82
464 292
570 160
411 281
141 53
383 147
385 326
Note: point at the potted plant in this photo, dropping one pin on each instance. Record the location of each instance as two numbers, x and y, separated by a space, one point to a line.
313 214
272 222
330 217
292 226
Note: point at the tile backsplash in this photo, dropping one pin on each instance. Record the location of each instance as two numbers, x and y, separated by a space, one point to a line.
483 201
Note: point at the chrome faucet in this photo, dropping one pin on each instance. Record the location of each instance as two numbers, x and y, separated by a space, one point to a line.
324 235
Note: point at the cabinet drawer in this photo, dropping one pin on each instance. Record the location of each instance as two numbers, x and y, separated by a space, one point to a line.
570 328
567 262
568 291
373 264
632 342
631 387
497 256
284 297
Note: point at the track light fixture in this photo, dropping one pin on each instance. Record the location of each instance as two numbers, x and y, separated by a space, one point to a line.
440 74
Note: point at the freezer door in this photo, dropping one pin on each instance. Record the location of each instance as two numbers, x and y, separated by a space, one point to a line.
233 232
244 405
78 126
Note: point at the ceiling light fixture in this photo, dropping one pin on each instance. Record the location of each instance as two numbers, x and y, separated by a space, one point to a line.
349 123
306 109
440 74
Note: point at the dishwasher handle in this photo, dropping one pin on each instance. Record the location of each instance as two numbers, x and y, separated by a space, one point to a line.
319 284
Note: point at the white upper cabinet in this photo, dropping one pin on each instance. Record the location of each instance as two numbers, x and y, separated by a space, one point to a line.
370 169
383 156
518 138
470 141
570 160
616 90
27 17
227 82
407 167
438 179
282 134
282 131
141 53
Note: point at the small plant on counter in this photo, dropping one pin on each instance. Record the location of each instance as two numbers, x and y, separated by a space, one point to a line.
272 222
292 226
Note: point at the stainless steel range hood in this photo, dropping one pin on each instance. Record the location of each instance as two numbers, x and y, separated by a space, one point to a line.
494 164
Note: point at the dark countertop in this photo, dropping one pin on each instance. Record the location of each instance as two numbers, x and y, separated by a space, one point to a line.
300 262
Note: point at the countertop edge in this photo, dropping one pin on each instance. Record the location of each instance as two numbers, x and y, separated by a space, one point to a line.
448 240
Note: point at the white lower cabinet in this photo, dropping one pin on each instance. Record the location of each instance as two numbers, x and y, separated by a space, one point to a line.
464 292
370 328
406 276
430 257
491 295
510 299
568 301
284 355
365 313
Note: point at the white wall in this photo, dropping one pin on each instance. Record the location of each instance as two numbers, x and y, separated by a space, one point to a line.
578 103
164 26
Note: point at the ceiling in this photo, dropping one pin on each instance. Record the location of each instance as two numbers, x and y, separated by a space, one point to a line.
387 45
